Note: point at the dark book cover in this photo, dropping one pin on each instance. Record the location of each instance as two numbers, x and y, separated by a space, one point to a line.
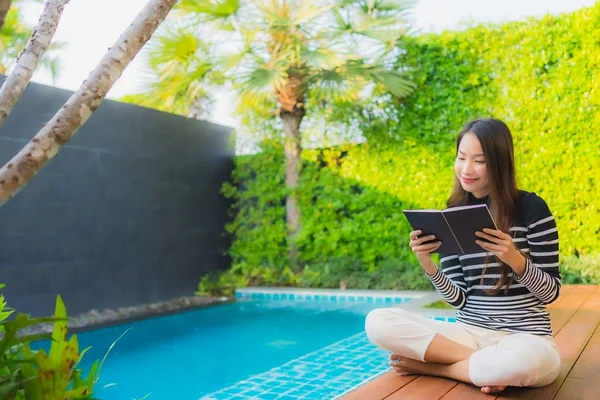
455 226
432 222
465 221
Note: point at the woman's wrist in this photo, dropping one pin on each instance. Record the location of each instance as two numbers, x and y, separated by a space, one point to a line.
429 267
518 264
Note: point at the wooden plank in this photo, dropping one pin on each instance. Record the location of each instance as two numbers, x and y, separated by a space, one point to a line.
587 366
543 393
563 309
578 389
566 289
583 381
424 387
573 337
464 391
575 316
380 387
571 340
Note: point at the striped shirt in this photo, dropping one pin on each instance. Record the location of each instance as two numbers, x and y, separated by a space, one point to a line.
523 307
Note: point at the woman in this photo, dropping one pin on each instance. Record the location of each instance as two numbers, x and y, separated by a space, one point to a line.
502 336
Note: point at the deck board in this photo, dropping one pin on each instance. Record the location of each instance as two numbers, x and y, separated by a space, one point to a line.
424 387
576 327
381 388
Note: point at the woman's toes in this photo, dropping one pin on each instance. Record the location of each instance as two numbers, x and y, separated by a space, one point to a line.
492 389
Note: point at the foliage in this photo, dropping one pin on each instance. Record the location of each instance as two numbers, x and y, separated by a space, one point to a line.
440 304
34 374
540 76
325 51
178 72
14 35
4 311
584 269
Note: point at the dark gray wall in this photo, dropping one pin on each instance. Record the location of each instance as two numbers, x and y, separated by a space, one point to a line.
129 212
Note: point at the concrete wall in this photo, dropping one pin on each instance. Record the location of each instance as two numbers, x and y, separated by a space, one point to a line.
129 212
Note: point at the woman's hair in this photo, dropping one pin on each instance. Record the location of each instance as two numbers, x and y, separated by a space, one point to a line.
497 145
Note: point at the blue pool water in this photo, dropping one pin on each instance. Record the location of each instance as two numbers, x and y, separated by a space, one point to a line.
249 349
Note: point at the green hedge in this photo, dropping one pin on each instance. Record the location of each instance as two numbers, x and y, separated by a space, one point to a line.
542 76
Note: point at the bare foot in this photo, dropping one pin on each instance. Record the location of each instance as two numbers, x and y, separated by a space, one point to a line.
492 389
406 366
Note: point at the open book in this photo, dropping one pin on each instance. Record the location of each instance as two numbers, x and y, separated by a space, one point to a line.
455 226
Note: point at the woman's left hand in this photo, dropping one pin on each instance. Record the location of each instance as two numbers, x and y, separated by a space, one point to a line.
502 246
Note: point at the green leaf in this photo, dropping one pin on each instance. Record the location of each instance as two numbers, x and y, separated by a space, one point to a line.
322 59
216 9
395 82
99 367
32 338
265 78
59 333
308 11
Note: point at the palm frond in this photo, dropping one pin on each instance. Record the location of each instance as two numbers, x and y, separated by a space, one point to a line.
393 81
256 101
211 8
264 77
308 11
382 20
336 51
179 70
322 58
336 86
174 45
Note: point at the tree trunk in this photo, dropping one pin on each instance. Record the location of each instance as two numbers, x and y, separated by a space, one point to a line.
19 78
291 111
19 171
4 7
293 150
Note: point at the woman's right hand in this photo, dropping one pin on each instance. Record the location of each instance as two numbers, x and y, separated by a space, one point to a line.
422 251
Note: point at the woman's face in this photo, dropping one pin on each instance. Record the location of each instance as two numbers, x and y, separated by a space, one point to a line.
471 167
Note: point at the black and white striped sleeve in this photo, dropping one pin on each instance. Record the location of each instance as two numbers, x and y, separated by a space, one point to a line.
542 275
450 281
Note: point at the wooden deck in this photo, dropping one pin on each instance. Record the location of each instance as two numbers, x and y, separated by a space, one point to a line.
576 327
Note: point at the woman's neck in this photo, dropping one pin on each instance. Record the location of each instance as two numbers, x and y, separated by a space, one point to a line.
480 195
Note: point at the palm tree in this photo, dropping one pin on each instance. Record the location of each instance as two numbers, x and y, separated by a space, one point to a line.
178 73
14 35
287 57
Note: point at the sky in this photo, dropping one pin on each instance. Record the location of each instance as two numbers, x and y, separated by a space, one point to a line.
90 27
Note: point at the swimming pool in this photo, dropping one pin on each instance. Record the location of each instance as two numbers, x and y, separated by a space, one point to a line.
264 346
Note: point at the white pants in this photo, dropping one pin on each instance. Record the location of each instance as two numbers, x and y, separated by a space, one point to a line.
502 358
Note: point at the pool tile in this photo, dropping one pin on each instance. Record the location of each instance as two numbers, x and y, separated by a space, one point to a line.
320 375
323 374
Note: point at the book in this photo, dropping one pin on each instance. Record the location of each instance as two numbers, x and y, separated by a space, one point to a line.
455 226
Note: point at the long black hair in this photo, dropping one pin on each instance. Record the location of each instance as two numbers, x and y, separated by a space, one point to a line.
497 145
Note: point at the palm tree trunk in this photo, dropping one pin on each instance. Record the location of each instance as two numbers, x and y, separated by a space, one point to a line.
293 149
4 7
38 43
19 171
